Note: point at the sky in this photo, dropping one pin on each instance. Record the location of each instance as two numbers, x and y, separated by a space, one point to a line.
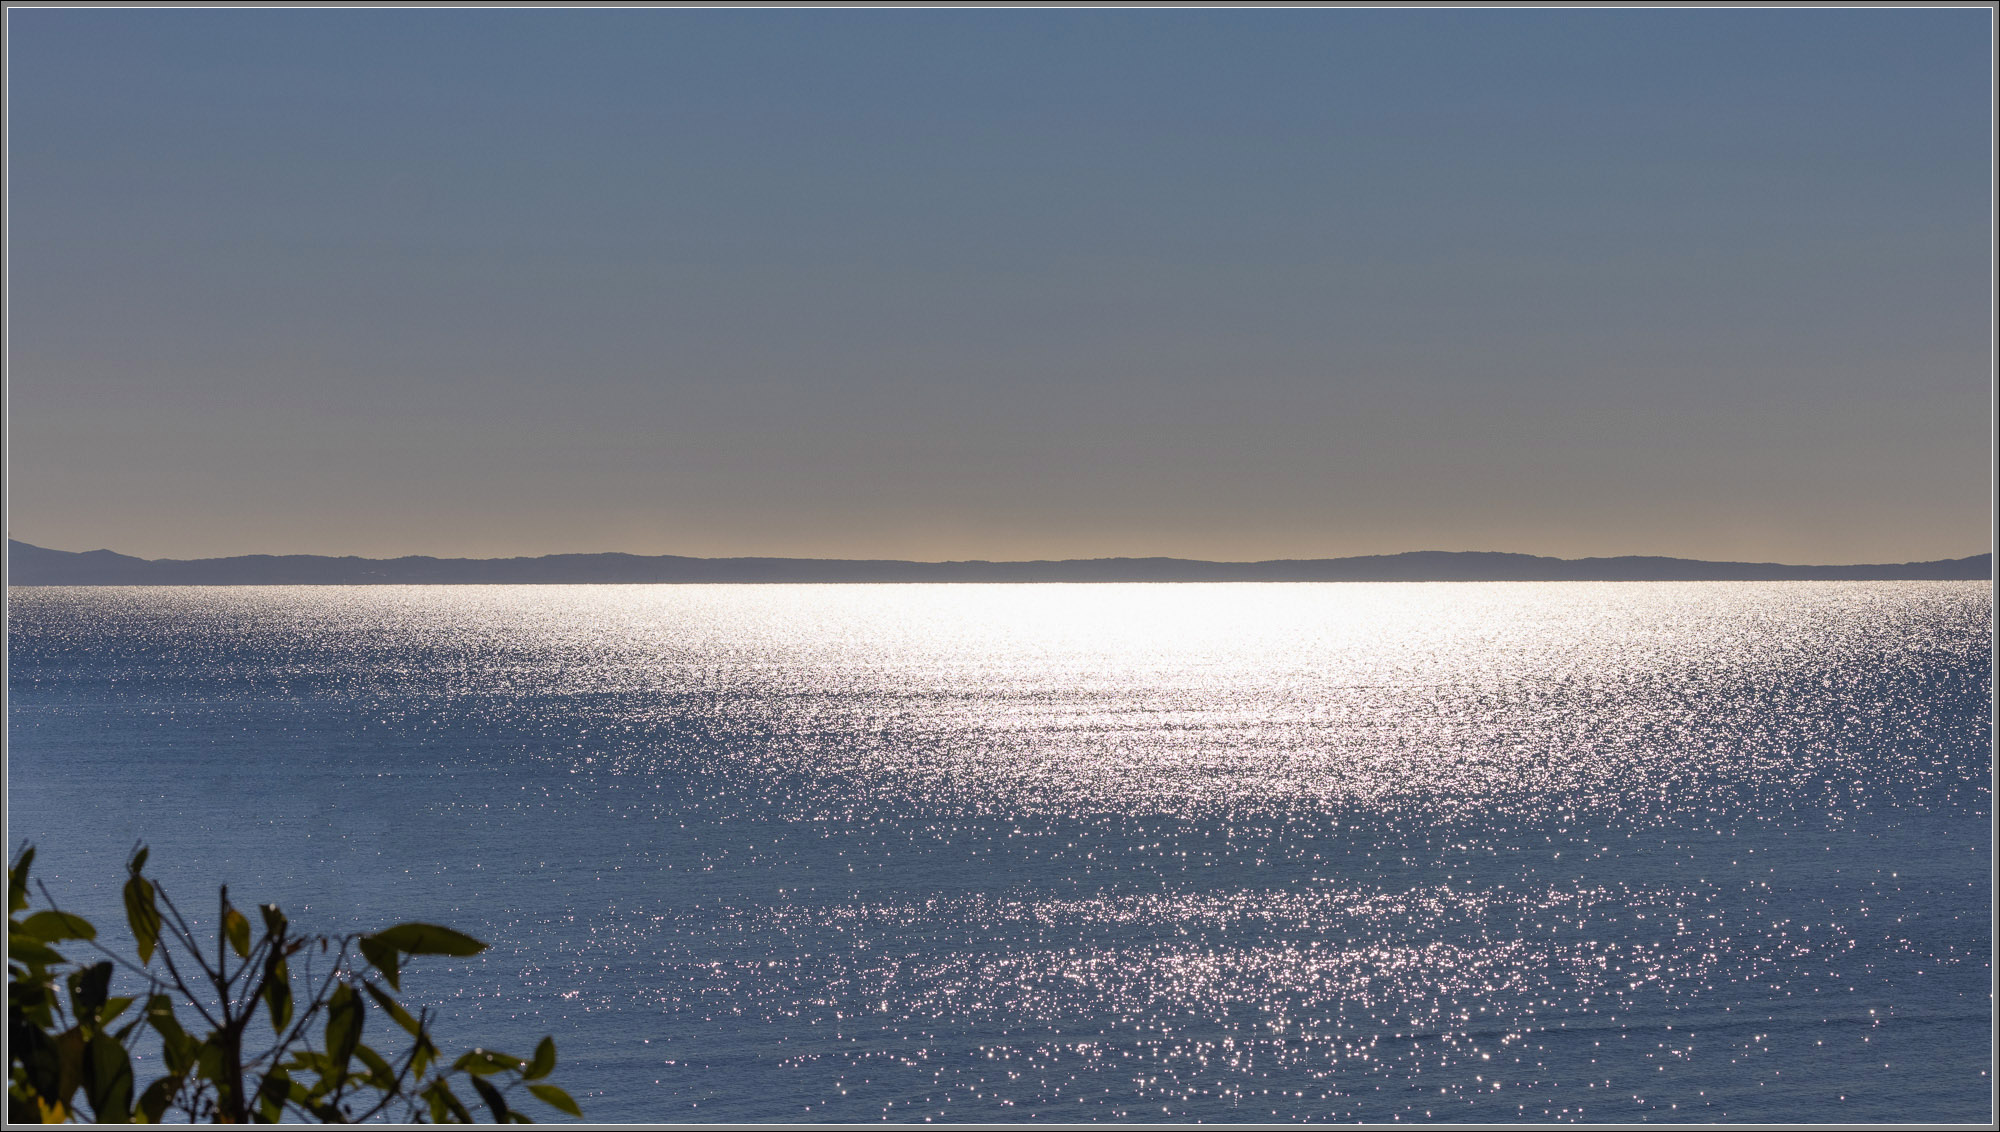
1236 285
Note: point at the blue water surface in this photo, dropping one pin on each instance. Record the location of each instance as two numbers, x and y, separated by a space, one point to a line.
1453 852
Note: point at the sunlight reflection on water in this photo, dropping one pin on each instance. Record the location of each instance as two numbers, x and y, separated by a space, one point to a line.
1467 851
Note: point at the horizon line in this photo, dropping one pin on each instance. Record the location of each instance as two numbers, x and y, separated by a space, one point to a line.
13 541
30 565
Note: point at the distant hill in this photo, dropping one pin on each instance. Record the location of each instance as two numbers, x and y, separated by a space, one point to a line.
37 566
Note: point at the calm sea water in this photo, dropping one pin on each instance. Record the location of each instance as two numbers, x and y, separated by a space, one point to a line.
1600 852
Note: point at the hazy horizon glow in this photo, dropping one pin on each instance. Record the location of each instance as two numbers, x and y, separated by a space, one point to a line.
1002 284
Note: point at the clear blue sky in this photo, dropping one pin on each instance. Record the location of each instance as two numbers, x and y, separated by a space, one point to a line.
1003 284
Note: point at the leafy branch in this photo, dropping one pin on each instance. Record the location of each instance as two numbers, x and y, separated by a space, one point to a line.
313 1065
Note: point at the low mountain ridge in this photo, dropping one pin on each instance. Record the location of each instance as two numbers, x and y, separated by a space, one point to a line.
29 565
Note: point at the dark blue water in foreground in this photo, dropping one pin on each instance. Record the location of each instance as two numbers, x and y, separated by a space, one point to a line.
1601 852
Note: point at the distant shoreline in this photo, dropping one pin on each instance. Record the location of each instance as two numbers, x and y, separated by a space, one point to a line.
29 565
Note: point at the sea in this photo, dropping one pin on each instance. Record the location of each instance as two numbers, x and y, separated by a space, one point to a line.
1447 852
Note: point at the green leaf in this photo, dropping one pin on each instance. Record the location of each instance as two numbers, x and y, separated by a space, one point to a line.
142 913
343 1026
422 1053
278 991
435 1098
112 1008
549 1094
274 920
395 1009
88 990
30 994
176 1046
272 1093
35 1000
544 1061
382 957
107 1081
208 1062
17 881
24 948
37 1058
428 939
385 1077
237 929
493 1099
153 1102
445 1103
50 926
72 1055
138 861
485 1061
314 1062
